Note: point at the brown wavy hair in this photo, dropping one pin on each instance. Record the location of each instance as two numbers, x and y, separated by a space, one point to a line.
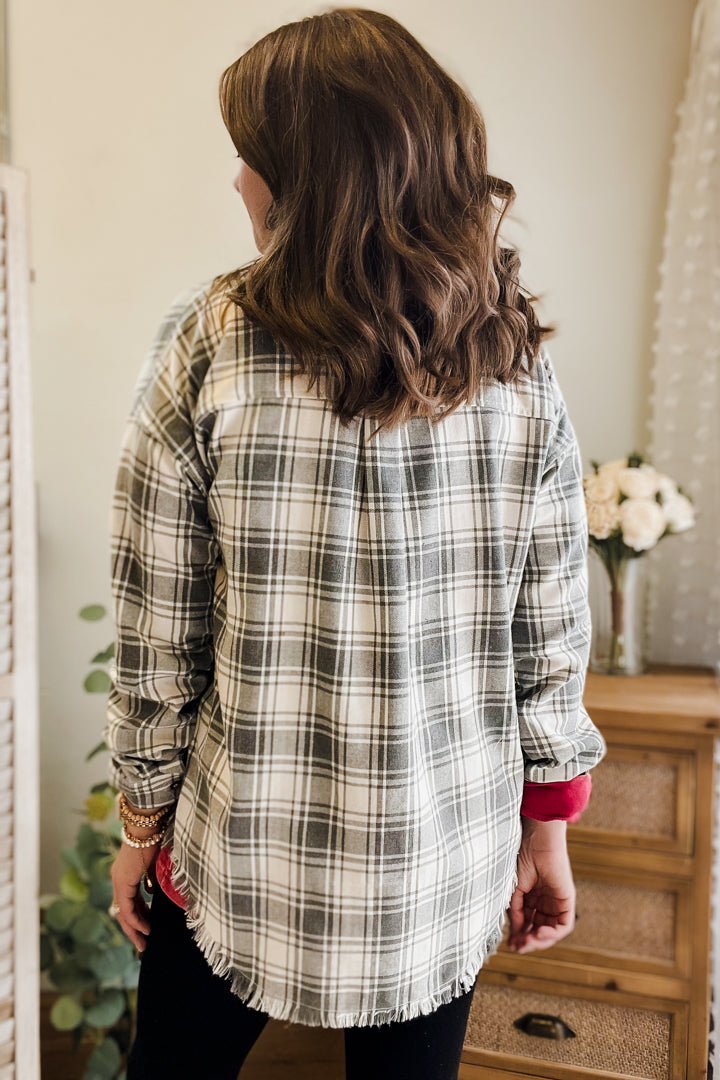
383 272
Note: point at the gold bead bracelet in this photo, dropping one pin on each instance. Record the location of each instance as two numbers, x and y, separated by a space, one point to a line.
147 841
140 821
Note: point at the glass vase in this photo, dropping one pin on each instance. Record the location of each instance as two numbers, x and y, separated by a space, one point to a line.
617 590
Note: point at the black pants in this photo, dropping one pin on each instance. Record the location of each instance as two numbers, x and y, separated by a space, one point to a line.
191 1027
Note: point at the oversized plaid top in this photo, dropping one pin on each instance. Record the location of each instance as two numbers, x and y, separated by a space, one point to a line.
340 660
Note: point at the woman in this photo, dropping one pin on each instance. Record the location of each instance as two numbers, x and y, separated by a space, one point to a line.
349 576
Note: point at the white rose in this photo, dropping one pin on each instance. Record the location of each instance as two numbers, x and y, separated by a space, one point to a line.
666 486
612 469
601 487
640 483
603 518
643 523
679 513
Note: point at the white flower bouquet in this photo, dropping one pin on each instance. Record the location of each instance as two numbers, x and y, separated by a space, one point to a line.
630 506
630 501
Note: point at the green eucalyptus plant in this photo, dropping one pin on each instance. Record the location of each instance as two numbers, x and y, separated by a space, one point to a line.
84 951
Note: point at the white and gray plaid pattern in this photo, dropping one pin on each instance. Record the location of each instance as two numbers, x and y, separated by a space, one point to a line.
340 660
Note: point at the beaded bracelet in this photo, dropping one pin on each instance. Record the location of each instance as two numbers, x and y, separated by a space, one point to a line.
147 841
140 820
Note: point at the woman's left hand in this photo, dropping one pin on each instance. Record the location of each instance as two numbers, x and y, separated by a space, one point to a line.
127 872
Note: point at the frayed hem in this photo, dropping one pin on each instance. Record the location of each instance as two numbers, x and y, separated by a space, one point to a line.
252 995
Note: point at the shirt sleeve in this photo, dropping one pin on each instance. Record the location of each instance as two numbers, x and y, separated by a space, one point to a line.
551 626
163 562
562 799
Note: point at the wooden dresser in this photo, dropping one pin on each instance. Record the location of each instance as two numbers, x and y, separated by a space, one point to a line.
632 981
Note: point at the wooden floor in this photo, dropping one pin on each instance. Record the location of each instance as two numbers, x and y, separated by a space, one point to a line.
283 1052
295 1050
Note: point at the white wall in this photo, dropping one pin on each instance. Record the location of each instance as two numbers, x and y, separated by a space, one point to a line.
113 112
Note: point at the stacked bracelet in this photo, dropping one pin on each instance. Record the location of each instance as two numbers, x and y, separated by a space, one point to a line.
147 841
140 821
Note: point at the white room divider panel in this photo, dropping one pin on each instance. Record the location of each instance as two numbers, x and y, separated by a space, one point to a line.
19 779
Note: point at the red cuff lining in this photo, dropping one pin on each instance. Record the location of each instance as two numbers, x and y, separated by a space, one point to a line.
562 800
163 870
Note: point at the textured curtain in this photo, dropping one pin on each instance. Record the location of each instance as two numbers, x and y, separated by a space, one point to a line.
684 598
684 571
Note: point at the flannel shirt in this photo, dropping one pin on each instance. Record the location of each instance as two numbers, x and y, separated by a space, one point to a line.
562 800
339 661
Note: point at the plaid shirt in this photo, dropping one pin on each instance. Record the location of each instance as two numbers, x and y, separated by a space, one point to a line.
339 661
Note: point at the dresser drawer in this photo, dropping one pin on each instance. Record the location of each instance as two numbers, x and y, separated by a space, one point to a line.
641 798
625 920
613 1035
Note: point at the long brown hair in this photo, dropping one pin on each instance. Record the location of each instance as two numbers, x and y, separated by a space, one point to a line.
383 273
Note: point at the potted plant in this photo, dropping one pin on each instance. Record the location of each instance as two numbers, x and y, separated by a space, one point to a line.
84 951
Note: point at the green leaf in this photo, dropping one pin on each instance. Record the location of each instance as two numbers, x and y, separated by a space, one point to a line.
90 927
70 977
72 858
46 951
132 975
66 1013
92 612
101 893
112 962
72 885
103 788
98 682
100 866
62 914
104 1061
107 1010
104 656
90 842
85 859
86 955
115 829
96 750
98 806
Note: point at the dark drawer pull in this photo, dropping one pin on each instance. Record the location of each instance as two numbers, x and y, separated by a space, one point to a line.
544 1025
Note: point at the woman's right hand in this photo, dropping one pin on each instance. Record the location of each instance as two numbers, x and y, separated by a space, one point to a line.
542 908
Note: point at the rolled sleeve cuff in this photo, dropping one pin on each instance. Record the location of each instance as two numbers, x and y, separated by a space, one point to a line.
564 800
